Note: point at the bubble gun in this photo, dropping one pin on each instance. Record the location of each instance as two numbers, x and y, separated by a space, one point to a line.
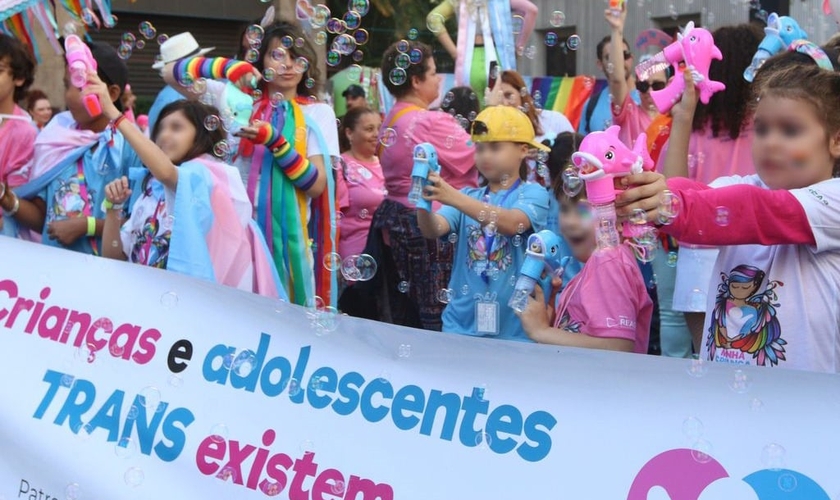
695 47
80 63
542 254
616 6
602 158
780 32
425 161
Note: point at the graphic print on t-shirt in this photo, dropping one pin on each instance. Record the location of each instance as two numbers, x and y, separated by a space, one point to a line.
151 243
744 327
566 323
68 201
487 261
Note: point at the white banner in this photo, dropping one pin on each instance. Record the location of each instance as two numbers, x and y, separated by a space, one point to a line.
122 382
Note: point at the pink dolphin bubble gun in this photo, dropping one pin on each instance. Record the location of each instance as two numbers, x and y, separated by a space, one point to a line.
81 63
602 158
695 47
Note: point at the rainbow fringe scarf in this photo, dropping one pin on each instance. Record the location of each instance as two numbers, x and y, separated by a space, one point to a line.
298 248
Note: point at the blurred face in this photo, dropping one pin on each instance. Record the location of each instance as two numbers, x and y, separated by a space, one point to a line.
176 136
628 60
790 146
7 81
282 62
365 136
577 228
657 82
498 161
429 89
41 112
73 101
355 102
511 96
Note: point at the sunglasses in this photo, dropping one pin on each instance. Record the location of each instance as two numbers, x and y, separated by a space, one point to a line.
644 86
627 55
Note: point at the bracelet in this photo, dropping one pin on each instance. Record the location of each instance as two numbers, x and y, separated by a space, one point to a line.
91 223
118 121
109 205
2 191
15 207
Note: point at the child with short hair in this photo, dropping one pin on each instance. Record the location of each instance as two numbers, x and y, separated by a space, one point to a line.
17 131
605 306
491 223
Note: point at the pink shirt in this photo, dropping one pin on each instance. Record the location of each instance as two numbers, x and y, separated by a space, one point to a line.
455 150
710 158
632 119
360 189
608 299
17 146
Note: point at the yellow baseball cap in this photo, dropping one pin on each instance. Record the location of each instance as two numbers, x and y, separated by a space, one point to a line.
504 124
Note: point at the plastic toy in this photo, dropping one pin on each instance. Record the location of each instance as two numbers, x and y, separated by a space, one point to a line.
425 161
542 256
780 32
81 63
832 8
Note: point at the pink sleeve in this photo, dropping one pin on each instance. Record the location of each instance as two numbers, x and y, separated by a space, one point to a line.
613 300
21 151
622 115
454 146
755 215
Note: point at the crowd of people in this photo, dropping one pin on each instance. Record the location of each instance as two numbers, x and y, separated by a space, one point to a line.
240 175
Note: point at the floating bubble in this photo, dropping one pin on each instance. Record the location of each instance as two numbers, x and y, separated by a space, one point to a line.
404 350
169 300
672 259
354 72
333 58
692 428
697 368
307 447
388 137
320 16
85 353
89 18
435 22
465 289
254 33
722 216
361 36
332 261
403 286
125 448
483 440
360 6
352 19
638 217
338 488
701 451
669 207
70 28
128 38
572 183
344 44
334 26
161 39
134 477
516 241
147 30
150 399
219 433
294 387
444 295
358 267
402 61
124 51
358 55
287 42
175 380
199 86
415 56
773 456
557 19
482 216
252 55
453 238
551 39
73 491
413 34
573 42
211 123
740 382
403 46
243 364
756 405
280 55
787 482
301 65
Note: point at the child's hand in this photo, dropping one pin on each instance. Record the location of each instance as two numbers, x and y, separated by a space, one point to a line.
95 86
644 194
616 22
536 318
67 231
439 190
118 192
684 109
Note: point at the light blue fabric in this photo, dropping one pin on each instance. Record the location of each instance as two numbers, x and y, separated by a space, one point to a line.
502 29
471 260
193 214
602 114
674 335
166 96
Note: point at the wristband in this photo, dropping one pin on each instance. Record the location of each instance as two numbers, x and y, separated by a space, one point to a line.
216 68
91 226
2 190
15 207
269 136
109 205
118 121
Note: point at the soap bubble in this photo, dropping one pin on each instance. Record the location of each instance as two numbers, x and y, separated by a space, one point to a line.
334 26
169 300
444 295
756 405
294 387
147 30
697 368
332 262
218 433
309 83
211 123
254 33
638 217
669 207
279 54
435 22
73 491
320 16
338 488
453 238
363 213
693 428
301 65
358 267
403 46
354 72
572 183
124 51
402 61
773 456
128 38
403 286
134 477
404 350
573 42
388 138
252 55
517 22
333 58
516 240
150 399
722 216
360 6
557 19
701 451
344 44
361 36
787 482
551 39
352 19
125 447
358 55
413 34
740 382
161 39
88 17
672 259
465 289
483 440
415 56
287 42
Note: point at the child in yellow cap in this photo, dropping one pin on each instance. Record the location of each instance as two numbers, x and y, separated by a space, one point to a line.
488 225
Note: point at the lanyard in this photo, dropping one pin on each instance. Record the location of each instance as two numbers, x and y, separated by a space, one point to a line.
87 209
490 239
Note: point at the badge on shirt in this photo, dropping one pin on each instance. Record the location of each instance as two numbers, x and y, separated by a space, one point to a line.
487 314
365 173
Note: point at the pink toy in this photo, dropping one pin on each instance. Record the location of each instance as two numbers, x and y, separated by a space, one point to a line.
832 7
81 63
602 158
695 47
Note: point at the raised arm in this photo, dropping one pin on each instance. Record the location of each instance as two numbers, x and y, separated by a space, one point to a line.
436 20
177 74
617 77
676 158
529 13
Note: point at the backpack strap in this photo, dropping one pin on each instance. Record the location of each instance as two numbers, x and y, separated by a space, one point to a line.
590 109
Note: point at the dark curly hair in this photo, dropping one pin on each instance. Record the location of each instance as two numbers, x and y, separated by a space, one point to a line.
464 103
276 31
20 61
389 62
727 112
